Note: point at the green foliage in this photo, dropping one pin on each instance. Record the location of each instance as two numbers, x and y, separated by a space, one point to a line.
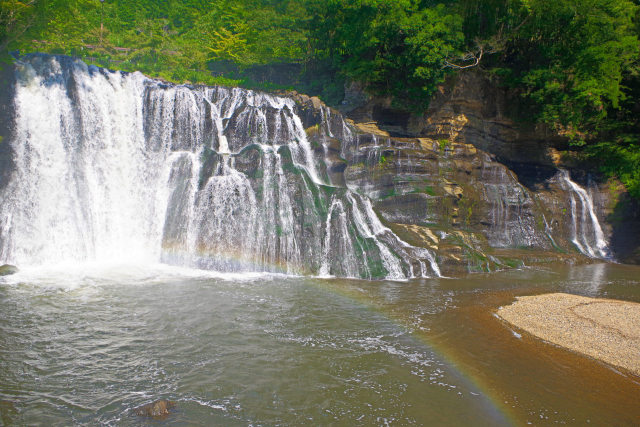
16 17
574 63
169 39
491 19
395 47
569 56
621 161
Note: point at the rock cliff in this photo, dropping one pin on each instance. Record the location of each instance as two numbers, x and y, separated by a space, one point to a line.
465 180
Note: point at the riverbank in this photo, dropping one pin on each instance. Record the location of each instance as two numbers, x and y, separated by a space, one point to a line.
605 329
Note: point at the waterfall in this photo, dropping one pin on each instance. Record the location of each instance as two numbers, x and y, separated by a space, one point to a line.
586 233
116 166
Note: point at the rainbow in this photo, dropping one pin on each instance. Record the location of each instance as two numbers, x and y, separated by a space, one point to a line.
495 405
231 257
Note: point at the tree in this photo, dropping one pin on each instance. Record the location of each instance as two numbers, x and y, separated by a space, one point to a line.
16 17
569 58
396 47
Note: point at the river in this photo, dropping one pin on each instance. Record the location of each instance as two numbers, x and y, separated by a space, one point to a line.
86 345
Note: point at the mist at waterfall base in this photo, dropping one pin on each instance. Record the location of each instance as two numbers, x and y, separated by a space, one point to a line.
167 237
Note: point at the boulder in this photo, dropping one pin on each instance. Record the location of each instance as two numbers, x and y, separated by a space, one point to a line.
158 410
6 270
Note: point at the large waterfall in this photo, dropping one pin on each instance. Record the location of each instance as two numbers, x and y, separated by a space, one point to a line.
115 166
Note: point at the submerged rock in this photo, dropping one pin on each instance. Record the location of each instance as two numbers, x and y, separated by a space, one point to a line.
160 409
7 269
9 414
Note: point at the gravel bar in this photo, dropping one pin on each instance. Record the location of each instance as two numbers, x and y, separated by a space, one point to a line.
605 329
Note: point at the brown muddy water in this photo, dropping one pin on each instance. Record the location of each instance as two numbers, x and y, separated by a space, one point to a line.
88 345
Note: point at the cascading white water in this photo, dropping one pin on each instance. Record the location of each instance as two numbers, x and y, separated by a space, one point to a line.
84 185
114 166
587 234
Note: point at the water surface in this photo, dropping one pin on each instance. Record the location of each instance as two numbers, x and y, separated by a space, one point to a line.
87 345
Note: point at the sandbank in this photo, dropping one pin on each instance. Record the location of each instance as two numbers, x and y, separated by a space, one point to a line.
605 329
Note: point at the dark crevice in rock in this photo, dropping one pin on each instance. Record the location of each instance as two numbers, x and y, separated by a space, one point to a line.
625 237
7 111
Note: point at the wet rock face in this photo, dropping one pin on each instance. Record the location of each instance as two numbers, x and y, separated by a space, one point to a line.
471 109
470 202
463 202
509 191
468 109
158 410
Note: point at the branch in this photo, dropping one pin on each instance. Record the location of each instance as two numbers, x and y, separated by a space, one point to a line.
467 57
515 30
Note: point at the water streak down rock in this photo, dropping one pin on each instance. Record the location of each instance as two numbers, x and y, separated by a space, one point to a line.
116 166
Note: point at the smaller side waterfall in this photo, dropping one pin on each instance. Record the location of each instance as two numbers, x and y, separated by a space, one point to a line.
586 232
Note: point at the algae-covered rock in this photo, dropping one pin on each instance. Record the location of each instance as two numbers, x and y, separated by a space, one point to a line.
7 269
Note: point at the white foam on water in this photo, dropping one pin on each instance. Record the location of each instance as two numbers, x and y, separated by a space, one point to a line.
70 276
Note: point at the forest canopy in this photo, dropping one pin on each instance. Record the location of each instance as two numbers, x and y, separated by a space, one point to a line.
574 64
